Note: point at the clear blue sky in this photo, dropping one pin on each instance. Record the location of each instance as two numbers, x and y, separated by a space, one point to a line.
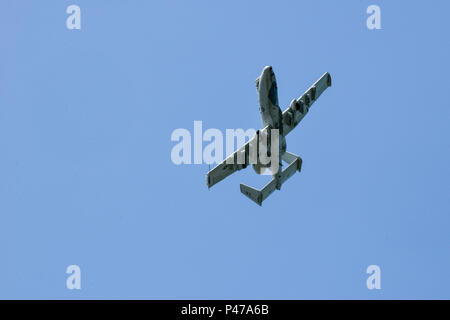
86 176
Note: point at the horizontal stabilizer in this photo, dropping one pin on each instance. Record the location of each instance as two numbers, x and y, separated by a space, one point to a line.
258 196
295 164
252 193
288 172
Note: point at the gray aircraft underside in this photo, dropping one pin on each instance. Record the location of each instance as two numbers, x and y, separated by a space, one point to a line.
272 118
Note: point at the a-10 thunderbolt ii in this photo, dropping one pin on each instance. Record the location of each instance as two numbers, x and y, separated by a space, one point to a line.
266 150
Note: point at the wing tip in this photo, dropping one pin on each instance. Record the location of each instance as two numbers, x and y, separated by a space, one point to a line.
329 82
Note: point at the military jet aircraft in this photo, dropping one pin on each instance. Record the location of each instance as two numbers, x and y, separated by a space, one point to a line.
273 121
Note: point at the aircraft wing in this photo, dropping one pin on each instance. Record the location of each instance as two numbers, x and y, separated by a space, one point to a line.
300 107
239 160
230 164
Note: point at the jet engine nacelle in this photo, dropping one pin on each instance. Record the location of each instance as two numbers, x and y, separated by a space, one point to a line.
261 166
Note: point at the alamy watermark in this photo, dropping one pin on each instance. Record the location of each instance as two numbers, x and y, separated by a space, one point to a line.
262 149
73 281
374 20
374 280
74 20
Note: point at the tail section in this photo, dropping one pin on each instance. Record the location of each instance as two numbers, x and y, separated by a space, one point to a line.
258 196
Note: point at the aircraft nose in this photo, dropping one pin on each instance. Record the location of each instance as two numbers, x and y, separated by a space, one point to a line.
267 72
